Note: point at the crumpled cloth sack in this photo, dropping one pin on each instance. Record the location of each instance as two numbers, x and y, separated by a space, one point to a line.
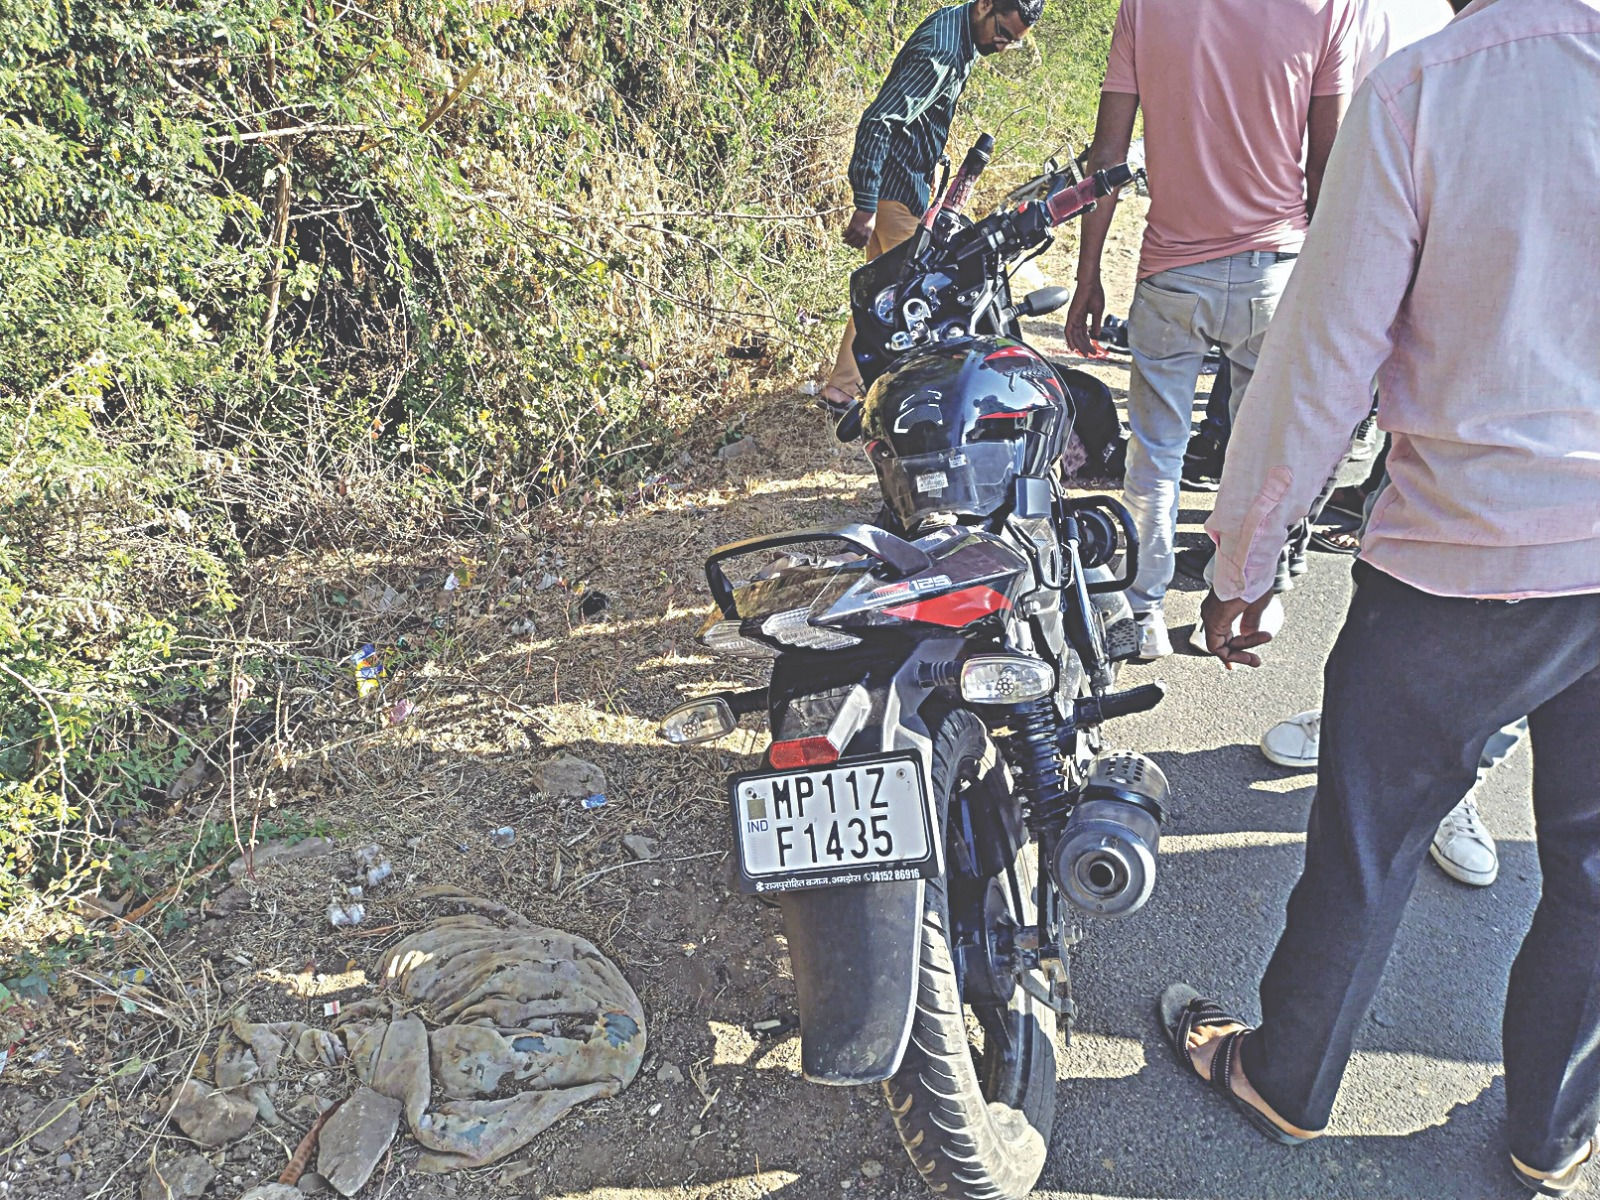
522 1023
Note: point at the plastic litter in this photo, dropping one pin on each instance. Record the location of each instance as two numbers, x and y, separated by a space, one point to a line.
502 838
342 915
331 1009
598 800
402 710
367 856
368 670
379 872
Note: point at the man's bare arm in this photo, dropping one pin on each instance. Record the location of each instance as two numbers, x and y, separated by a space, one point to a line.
1113 132
1322 126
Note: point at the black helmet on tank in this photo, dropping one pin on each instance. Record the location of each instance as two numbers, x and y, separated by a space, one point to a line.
950 430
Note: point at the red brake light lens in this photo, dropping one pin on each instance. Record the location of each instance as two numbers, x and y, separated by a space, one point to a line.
803 752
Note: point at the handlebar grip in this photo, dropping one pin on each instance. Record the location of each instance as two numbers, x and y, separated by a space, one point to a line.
971 167
1069 202
977 159
1092 710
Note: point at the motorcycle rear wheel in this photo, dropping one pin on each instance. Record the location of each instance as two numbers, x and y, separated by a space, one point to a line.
975 1123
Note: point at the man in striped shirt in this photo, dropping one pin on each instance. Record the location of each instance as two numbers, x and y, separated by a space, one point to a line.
902 135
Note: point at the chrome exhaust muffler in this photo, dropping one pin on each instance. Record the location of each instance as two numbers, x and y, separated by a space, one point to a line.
1105 860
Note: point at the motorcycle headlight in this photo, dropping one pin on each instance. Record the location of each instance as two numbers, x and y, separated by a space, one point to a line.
1006 679
883 305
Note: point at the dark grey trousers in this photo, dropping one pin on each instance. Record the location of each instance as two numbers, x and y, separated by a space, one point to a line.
1415 686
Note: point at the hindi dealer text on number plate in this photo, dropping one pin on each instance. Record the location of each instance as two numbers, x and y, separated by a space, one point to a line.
853 822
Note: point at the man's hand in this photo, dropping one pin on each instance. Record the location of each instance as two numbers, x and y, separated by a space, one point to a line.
859 232
1233 628
1083 319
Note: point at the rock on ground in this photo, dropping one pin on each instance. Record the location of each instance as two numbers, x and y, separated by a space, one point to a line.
60 1121
182 1178
209 1117
273 1191
355 1139
642 848
568 778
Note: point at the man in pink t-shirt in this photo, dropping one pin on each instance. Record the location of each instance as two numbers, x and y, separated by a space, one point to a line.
1241 100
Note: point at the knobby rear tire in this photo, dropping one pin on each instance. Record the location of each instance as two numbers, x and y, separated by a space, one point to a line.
977 1135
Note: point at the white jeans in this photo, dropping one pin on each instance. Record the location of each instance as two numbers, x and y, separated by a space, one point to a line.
1176 317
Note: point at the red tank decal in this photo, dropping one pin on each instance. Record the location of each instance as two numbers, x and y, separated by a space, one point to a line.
954 610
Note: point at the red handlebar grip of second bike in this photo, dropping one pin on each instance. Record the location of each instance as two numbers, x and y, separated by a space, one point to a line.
1068 202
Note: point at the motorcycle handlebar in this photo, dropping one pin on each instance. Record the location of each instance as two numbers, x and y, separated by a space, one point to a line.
1071 201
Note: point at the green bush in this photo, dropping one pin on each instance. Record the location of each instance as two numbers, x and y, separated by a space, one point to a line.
279 274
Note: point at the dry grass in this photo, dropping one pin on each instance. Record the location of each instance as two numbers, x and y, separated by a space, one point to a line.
493 697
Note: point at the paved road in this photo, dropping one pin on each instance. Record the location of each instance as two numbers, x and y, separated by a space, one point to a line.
1423 1103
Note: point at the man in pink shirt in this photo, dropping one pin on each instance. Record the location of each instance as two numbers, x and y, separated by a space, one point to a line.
1236 95
1469 295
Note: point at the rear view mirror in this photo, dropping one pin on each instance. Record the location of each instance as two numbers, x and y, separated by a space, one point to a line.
1045 300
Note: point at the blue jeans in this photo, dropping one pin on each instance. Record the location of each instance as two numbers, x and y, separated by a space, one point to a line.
1176 317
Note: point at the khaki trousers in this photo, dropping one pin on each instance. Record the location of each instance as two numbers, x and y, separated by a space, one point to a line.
894 225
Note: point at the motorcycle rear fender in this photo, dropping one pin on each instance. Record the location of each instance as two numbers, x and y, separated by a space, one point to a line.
855 949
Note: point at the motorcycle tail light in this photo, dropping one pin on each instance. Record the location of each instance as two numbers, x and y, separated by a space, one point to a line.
727 637
698 721
1006 679
803 752
794 628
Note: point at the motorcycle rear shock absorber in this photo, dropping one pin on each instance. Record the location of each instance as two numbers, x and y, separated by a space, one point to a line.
1035 759
1032 753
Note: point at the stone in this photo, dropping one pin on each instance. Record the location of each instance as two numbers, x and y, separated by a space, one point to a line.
355 1139
743 448
871 1168
275 853
209 1117
273 1191
642 848
669 1073
60 1122
183 1178
312 1184
566 777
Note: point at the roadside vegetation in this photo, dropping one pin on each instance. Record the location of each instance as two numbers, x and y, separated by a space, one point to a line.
282 278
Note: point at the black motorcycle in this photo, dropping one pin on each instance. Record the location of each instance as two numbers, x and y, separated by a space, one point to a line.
936 813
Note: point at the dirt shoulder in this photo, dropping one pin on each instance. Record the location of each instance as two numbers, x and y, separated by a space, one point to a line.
569 635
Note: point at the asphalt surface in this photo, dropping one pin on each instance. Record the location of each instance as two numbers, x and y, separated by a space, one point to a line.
1422 1107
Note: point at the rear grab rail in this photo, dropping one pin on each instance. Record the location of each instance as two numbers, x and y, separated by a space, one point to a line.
900 556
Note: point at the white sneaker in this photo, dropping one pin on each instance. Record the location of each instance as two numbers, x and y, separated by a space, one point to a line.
1293 743
1463 848
1154 640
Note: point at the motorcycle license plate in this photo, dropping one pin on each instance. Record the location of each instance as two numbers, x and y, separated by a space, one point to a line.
869 820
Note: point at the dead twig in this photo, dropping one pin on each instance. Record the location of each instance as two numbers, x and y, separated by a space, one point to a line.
635 862
301 1158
